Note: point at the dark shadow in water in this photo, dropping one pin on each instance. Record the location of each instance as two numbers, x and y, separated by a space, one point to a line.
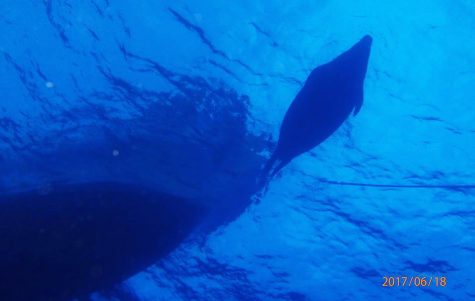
67 238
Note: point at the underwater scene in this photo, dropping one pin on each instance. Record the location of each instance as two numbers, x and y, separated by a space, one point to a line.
237 150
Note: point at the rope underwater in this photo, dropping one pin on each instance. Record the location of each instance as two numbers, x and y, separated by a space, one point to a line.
426 186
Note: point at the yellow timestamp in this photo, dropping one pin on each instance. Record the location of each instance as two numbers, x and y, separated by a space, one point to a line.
414 281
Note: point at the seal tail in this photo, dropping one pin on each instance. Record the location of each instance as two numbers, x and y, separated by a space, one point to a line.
278 167
265 171
272 167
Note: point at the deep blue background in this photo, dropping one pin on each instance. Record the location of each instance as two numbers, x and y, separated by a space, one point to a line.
188 97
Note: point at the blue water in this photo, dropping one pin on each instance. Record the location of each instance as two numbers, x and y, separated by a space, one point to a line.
187 97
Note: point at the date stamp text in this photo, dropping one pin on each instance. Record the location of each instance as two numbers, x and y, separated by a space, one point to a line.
414 281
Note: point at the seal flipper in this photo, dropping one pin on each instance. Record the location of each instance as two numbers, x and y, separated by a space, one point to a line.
358 101
272 167
265 171
280 165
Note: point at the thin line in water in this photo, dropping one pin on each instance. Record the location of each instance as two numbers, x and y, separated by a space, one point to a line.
443 186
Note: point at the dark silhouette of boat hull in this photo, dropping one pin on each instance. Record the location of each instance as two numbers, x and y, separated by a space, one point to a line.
77 239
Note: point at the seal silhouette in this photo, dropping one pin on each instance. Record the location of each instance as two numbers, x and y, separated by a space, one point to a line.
330 94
